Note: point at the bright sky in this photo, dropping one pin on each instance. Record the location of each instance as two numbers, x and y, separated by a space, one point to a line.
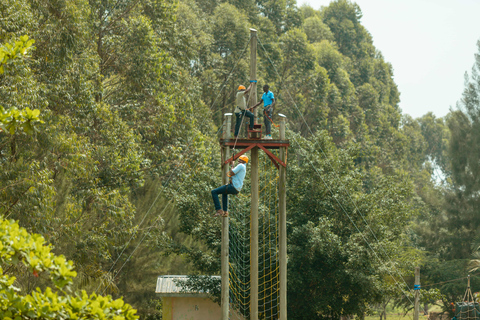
430 44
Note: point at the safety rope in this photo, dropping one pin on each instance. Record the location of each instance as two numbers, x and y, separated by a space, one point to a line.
243 112
270 274
273 123
189 145
348 194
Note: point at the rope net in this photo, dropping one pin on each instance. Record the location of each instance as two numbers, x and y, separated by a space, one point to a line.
469 308
467 311
268 242
239 257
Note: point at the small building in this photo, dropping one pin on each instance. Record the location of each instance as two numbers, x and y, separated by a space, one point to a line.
185 305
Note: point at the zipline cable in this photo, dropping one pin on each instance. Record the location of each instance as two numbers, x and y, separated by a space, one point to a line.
336 174
442 282
351 220
168 180
234 145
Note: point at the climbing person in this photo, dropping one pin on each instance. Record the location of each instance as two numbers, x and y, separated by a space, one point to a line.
268 102
237 175
241 110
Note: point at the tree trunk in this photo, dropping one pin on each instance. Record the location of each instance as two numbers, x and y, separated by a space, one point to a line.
384 307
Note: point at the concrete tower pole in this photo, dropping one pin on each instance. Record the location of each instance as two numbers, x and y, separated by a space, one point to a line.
282 224
255 195
225 240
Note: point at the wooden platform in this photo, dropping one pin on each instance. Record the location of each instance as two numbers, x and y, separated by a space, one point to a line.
256 132
247 144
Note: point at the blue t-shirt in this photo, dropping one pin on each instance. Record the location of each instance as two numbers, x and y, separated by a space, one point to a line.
267 98
237 180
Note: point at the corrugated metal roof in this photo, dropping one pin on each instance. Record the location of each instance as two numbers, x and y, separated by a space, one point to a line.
166 285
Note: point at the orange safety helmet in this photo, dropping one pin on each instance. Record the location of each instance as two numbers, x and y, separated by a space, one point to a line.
241 87
244 158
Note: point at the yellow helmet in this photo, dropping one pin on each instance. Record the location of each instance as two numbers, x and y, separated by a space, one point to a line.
244 158
241 87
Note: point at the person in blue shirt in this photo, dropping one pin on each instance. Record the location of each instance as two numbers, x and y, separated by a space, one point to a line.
268 102
237 176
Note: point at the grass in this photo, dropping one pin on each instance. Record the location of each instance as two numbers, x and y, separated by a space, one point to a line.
399 315
392 316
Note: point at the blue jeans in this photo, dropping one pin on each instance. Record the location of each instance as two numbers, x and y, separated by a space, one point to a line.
239 116
224 191
267 122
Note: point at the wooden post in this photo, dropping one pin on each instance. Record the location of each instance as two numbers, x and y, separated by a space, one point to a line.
225 241
254 179
254 237
468 297
253 69
282 224
416 288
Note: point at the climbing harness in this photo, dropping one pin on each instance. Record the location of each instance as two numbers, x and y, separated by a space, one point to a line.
273 123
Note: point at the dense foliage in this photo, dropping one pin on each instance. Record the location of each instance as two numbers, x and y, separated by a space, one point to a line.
28 251
109 118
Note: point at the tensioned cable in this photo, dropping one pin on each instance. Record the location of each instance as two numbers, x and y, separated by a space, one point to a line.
168 180
143 219
323 152
351 220
150 227
336 175
453 280
158 195
243 117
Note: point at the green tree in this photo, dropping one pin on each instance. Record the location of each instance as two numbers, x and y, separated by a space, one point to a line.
343 19
120 174
13 119
337 229
316 30
461 197
17 246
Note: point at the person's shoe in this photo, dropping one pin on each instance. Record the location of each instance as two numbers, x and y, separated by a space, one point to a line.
218 213
225 214
265 137
269 136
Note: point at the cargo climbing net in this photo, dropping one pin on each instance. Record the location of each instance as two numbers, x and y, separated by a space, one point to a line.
239 249
468 309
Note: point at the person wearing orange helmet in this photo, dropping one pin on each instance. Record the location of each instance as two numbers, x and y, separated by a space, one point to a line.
241 110
237 175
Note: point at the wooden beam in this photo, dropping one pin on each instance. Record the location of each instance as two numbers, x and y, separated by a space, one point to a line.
272 156
273 161
236 156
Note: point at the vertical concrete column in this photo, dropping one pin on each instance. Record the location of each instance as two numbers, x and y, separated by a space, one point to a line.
282 224
254 176
225 240
253 68
254 237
